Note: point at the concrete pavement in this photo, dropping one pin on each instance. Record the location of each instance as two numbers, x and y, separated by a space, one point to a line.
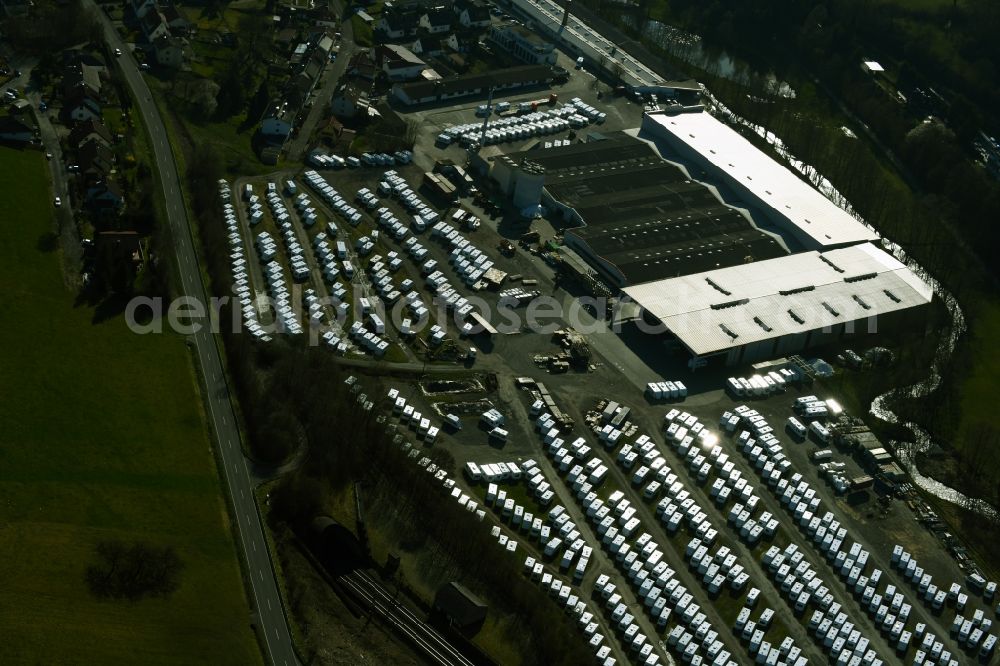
269 613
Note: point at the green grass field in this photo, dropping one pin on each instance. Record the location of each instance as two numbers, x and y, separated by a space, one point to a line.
102 438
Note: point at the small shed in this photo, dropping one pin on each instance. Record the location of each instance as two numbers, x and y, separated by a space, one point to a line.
462 609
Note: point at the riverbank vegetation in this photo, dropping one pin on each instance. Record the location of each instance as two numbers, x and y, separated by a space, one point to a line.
898 145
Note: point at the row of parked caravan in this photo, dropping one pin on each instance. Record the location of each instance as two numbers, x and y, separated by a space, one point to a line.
393 185
972 634
283 220
556 533
705 458
661 593
466 258
274 276
329 253
666 390
333 198
584 474
238 264
929 592
574 115
408 415
322 160
829 624
575 606
380 275
760 385
830 538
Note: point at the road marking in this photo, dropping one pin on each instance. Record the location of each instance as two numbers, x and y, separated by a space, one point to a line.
260 572
269 603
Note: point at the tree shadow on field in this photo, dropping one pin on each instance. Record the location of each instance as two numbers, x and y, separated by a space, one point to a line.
110 307
47 242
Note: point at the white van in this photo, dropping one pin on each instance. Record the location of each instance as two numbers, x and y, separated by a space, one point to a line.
795 427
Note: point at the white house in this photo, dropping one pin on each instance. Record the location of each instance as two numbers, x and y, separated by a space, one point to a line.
396 24
437 20
154 25
400 63
472 13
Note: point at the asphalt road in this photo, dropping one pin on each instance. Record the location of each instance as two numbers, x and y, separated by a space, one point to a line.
269 615
331 78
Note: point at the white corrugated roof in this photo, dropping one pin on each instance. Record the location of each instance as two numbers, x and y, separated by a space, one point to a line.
788 295
773 184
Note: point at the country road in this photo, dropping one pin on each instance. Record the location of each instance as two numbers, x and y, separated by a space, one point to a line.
239 484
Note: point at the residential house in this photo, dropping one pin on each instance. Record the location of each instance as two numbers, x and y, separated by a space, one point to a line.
276 125
299 53
285 37
460 44
79 106
466 85
170 51
437 20
472 13
142 7
362 65
525 45
82 76
324 45
349 101
324 17
153 25
90 131
398 23
125 243
19 106
15 130
428 46
399 63
175 20
105 195
82 57
95 160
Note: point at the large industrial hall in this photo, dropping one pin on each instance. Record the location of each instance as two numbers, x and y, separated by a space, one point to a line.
748 262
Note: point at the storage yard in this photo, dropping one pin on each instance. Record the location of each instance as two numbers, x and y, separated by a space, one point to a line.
672 519
696 517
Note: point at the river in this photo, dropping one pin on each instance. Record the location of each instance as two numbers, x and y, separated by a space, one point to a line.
906 451
690 48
